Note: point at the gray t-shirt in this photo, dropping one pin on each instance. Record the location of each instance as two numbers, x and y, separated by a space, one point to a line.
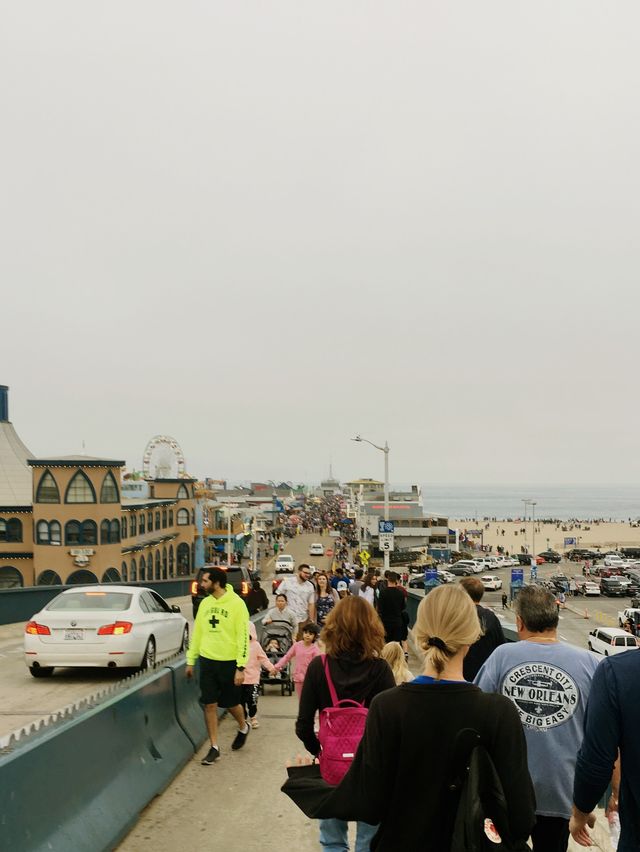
549 684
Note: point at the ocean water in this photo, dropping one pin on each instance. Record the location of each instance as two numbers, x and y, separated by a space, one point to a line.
586 502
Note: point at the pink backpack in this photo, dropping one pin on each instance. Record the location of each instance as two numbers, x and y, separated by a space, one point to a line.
341 729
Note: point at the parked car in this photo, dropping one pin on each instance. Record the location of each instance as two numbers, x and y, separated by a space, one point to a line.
110 626
632 613
463 568
491 583
613 560
238 577
446 576
613 586
560 582
315 549
610 641
550 556
590 589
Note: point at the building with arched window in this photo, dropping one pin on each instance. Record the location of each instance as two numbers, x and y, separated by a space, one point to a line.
65 520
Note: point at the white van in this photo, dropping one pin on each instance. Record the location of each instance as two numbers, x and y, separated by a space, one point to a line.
610 640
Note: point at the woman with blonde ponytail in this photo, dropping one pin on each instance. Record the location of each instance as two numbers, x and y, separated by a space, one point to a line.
403 774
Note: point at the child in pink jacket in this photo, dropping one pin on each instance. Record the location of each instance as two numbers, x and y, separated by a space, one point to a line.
304 651
251 685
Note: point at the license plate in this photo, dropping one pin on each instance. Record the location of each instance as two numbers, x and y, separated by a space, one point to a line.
74 634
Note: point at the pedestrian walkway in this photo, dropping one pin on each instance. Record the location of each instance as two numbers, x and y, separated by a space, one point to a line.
236 804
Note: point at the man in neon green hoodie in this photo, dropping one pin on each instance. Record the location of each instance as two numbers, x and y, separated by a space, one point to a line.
221 641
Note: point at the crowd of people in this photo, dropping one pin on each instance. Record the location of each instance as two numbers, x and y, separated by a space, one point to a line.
534 730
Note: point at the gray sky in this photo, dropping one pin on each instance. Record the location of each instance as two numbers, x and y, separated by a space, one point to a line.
264 227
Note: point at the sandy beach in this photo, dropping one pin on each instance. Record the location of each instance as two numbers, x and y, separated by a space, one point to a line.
551 535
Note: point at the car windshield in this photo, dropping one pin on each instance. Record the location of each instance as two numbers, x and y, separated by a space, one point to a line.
113 601
285 559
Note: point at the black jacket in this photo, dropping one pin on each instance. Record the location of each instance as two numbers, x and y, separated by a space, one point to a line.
360 680
401 774
486 644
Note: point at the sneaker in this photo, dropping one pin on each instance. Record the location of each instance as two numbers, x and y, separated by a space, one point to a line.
240 739
212 755
255 723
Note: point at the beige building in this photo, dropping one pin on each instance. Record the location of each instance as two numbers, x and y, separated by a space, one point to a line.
63 520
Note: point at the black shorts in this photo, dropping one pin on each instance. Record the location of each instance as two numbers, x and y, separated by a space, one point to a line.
216 683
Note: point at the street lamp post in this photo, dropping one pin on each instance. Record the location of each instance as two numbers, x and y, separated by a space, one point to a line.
384 450
526 503
533 528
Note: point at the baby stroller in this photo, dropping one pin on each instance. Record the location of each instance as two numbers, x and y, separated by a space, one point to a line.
276 641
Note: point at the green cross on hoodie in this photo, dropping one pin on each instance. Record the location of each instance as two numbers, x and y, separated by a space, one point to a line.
221 630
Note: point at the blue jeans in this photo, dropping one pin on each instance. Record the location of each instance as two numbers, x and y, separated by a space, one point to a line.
334 835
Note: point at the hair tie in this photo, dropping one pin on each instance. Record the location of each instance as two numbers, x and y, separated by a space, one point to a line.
435 642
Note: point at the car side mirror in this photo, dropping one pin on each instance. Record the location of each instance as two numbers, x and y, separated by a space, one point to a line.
176 608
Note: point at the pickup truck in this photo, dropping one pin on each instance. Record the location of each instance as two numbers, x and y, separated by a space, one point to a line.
629 613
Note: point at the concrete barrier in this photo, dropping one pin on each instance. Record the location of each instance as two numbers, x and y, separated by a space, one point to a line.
21 604
81 785
188 710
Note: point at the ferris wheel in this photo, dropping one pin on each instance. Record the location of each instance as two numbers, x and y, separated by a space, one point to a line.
163 459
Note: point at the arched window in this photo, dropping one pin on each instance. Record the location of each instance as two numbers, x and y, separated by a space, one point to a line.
158 565
10 578
105 528
183 517
112 575
47 489
124 572
193 517
72 532
80 489
81 578
114 531
123 528
89 532
183 494
157 520
54 533
171 560
42 532
143 569
170 517
150 521
164 563
10 530
134 571
133 525
141 525
49 578
109 490
164 519
184 558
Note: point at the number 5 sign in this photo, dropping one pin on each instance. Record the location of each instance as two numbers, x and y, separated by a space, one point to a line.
386 542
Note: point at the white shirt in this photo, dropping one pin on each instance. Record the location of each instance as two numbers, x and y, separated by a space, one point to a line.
299 596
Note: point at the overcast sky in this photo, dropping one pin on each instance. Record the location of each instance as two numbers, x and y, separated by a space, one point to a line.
264 227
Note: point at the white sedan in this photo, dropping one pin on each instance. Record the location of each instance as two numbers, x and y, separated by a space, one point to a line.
103 626
590 589
491 583
316 549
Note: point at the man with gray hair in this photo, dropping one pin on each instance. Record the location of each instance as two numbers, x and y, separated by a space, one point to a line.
549 683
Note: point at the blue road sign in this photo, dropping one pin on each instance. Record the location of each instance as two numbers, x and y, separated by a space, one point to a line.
386 526
570 542
431 577
517 576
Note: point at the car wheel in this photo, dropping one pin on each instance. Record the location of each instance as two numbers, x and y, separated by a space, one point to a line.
149 656
590 646
185 639
41 671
